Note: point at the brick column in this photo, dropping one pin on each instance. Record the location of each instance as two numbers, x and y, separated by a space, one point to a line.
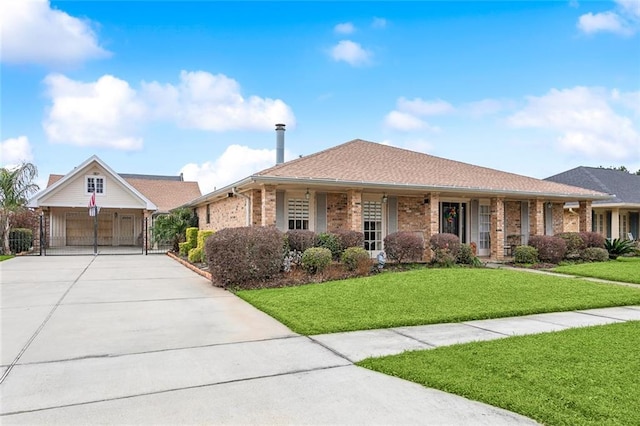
268 212
557 211
536 217
432 212
584 213
354 210
256 207
147 216
497 228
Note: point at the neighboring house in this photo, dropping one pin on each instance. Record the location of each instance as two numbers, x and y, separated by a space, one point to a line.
125 202
379 189
616 217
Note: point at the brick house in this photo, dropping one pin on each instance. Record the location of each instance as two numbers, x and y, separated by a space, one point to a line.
616 217
125 201
379 189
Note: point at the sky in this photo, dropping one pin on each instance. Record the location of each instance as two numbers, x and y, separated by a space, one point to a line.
160 87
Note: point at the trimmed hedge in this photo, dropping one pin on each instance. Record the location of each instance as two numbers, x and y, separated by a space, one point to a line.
592 239
316 259
525 254
330 242
349 239
192 237
575 244
20 239
300 240
404 246
184 248
196 254
239 257
595 254
551 249
356 258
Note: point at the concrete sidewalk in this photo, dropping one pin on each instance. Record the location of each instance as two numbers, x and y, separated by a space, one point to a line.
143 340
358 345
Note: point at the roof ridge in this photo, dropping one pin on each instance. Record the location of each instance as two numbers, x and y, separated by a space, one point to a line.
597 181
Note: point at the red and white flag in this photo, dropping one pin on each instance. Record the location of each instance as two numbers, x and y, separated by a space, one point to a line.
92 205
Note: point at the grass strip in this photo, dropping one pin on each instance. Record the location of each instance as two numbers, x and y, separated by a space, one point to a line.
429 296
623 269
585 376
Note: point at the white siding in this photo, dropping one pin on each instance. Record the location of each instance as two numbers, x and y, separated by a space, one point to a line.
74 194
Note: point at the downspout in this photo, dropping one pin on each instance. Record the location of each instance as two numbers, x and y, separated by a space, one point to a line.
248 204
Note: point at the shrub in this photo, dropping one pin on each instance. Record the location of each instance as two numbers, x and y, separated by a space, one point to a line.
595 254
184 248
355 258
20 239
525 254
404 246
592 239
349 238
246 255
300 240
551 249
445 242
575 244
195 255
618 247
465 255
202 237
316 259
330 242
292 260
192 237
443 257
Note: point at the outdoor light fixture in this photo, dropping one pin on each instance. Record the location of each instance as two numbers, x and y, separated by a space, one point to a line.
549 204
307 195
384 198
426 200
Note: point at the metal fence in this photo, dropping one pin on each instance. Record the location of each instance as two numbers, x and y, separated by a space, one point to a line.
90 240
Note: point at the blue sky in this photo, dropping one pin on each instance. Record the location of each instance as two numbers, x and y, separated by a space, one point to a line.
161 87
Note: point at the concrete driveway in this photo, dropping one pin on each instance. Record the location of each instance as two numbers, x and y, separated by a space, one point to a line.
143 340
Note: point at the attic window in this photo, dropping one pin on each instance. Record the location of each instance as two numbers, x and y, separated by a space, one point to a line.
95 184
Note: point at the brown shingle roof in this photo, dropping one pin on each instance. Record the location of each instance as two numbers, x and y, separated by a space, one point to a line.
166 194
373 163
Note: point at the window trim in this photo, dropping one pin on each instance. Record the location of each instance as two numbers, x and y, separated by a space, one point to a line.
95 177
310 206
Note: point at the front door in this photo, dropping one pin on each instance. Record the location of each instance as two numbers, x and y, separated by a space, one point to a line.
126 230
372 226
453 220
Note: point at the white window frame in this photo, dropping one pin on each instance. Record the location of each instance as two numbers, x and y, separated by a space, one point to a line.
95 180
299 198
376 198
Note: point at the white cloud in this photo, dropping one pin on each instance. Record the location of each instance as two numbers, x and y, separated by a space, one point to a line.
485 107
344 28
407 115
33 32
585 121
15 151
379 23
214 102
235 163
624 20
629 100
351 52
103 113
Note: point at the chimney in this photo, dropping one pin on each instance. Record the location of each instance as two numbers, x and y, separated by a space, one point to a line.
280 143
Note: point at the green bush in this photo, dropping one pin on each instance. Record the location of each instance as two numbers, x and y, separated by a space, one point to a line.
443 257
316 259
594 254
192 237
202 237
330 242
575 244
184 248
355 258
465 255
195 255
20 239
240 257
525 254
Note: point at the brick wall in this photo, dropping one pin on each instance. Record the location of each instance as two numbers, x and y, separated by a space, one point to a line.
268 212
256 207
411 214
354 210
226 213
571 221
536 217
337 208
557 219
497 228
585 216
513 218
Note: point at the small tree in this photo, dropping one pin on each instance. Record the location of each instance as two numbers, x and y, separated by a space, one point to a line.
171 227
16 186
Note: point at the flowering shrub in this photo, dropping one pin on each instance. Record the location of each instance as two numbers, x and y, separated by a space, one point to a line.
551 249
404 246
595 254
316 259
525 254
356 258
592 239
349 238
292 260
243 256
330 242
300 240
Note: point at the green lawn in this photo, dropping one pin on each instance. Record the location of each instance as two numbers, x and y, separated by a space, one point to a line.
5 257
430 296
586 376
625 269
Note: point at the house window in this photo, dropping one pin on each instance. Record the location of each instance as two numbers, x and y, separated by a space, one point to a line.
372 225
95 184
484 228
208 213
623 226
298 213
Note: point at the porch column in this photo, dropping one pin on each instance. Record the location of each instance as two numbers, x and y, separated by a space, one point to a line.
433 221
354 210
584 213
268 210
497 228
557 219
147 219
536 217
615 223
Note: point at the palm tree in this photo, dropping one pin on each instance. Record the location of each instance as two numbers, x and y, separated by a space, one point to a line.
171 227
16 186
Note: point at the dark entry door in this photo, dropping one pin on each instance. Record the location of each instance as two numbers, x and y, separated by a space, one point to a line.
453 219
